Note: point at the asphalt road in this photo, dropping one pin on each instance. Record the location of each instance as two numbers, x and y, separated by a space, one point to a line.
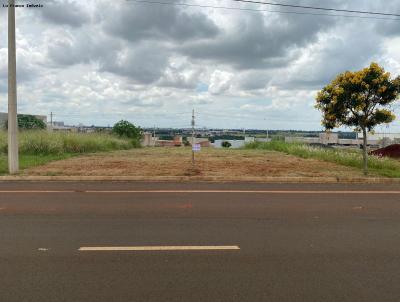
297 242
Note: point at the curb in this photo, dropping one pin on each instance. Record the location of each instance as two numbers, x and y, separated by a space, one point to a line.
372 180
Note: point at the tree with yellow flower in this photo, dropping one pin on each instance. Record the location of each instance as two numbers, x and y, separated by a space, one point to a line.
359 99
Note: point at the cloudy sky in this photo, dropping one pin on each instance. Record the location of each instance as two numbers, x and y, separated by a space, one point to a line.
98 61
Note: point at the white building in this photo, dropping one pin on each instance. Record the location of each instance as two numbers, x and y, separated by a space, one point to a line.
236 143
332 139
381 139
379 136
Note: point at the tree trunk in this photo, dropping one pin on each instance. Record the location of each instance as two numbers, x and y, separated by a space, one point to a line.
365 151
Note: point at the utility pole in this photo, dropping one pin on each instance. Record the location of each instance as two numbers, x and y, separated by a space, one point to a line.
267 130
154 136
193 139
51 121
13 160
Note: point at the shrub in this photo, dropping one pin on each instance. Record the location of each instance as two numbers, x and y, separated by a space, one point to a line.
127 129
28 122
226 144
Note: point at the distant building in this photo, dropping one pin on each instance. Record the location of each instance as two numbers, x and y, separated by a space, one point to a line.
382 139
149 140
332 139
204 142
58 124
4 118
61 127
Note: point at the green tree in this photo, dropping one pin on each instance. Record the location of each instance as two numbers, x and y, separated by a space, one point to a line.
127 129
29 122
359 99
226 144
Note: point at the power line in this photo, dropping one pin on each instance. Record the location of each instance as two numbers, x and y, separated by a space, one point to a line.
318 8
258 10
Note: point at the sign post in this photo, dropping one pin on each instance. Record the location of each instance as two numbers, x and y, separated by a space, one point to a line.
193 136
195 148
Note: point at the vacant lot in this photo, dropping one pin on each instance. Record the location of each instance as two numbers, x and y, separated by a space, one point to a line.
229 164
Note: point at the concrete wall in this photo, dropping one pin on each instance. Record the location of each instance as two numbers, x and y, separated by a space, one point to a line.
349 142
149 141
298 139
263 140
327 138
378 136
235 143
249 139
147 138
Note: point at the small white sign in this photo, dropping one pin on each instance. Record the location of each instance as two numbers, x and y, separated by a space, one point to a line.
196 148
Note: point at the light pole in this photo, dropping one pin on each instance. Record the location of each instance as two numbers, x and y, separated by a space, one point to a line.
13 162
193 139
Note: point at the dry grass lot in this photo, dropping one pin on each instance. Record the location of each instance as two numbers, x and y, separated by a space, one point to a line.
229 164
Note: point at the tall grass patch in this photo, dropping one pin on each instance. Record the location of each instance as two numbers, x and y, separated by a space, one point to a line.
39 147
350 158
56 143
3 142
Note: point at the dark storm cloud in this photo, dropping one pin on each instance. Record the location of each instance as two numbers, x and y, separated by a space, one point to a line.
134 22
257 44
64 12
137 41
254 80
3 86
389 28
349 50
24 75
25 71
177 81
119 43
83 47
144 64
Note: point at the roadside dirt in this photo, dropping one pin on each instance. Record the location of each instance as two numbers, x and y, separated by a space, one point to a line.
177 162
